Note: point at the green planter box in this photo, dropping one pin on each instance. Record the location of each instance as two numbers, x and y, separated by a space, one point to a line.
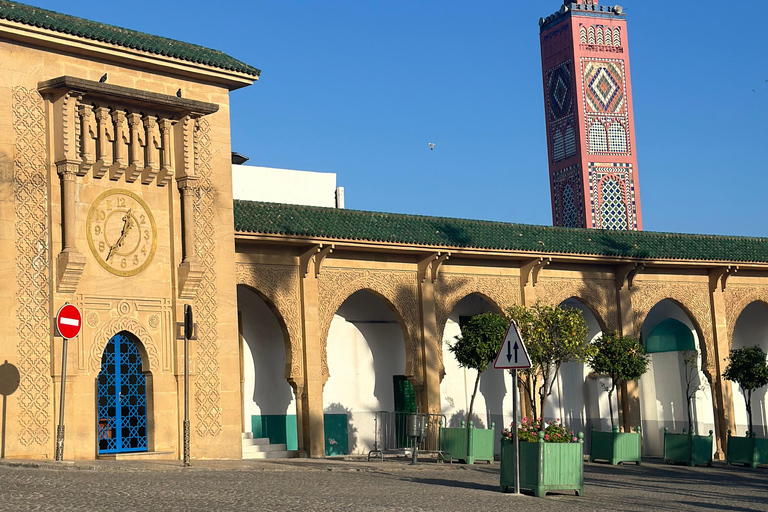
615 446
467 444
749 450
690 448
544 466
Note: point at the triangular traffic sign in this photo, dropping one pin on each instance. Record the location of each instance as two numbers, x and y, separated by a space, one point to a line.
512 354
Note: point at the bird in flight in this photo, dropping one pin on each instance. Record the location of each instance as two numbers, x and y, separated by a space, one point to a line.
431 146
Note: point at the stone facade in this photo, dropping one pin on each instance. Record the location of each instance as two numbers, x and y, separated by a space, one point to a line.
88 127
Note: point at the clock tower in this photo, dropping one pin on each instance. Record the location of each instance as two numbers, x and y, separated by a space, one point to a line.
589 117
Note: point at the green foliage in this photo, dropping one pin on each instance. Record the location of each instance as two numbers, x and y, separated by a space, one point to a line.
478 344
553 335
749 369
622 358
480 341
554 432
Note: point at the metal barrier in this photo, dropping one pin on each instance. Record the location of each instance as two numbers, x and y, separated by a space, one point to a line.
390 432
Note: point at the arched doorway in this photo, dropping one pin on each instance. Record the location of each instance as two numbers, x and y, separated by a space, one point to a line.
122 397
493 403
751 329
578 396
674 345
366 363
269 404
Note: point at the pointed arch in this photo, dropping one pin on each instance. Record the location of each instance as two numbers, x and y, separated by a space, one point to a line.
278 287
591 35
583 35
146 345
616 37
598 139
617 138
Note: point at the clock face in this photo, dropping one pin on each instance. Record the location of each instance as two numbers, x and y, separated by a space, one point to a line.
121 232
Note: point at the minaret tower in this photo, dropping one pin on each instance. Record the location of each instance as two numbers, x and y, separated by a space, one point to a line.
590 123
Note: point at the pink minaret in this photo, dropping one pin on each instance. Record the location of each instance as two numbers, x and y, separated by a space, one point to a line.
590 122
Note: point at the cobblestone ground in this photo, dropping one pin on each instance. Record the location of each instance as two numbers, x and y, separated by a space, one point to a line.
393 485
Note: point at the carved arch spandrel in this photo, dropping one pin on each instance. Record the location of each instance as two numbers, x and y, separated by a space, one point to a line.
280 285
398 287
693 298
116 325
737 298
501 292
598 295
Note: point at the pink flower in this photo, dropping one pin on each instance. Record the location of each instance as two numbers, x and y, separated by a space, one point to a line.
574 439
546 437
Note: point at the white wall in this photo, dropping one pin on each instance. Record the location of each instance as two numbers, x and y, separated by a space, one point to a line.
283 186
662 388
266 391
577 397
493 403
365 350
751 329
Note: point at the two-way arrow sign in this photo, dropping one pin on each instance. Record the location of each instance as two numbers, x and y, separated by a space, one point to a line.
513 354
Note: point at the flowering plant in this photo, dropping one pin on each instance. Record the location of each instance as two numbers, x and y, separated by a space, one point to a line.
528 430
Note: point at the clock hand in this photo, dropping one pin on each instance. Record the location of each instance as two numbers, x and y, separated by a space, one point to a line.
127 224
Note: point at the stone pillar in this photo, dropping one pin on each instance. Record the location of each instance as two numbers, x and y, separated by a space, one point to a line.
715 363
70 263
628 392
313 423
430 345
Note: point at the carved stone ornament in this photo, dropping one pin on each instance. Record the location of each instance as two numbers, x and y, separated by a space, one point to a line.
119 324
399 288
500 292
737 298
280 285
598 295
30 205
693 298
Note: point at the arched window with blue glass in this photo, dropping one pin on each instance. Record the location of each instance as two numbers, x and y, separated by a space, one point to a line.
122 397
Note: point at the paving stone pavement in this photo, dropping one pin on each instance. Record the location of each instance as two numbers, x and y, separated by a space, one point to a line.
392 485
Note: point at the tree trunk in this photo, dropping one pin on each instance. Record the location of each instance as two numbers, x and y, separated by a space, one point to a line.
472 402
543 396
610 405
749 411
690 414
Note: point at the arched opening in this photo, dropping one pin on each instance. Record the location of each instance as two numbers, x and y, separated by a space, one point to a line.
493 403
674 344
751 329
577 397
122 406
269 405
366 362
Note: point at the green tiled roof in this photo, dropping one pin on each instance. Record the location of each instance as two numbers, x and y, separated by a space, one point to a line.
80 27
337 224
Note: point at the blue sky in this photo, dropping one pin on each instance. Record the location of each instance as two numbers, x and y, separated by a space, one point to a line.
360 87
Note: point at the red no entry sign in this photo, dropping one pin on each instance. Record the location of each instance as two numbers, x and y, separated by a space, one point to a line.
69 321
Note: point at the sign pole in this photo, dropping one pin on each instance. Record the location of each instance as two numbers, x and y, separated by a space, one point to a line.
515 443
69 321
187 328
60 428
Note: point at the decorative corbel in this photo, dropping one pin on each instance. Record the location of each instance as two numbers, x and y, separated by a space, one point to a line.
190 270
530 269
167 163
138 141
718 277
429 267
313 259
122 140
88 136
153 150
106 138
625 274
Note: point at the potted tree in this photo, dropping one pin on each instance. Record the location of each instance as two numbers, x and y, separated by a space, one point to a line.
689 448
748 368
622 358
551 457
550 460
477 346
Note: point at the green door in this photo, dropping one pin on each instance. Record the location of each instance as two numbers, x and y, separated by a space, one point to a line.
405 404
